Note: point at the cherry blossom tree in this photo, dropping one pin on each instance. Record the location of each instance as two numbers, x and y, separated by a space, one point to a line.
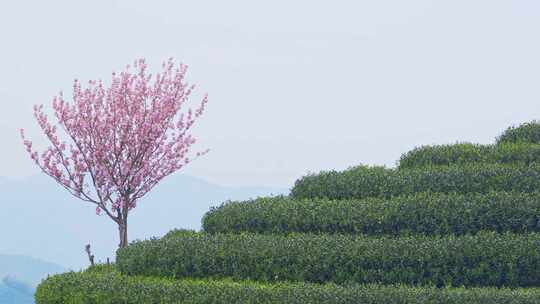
112 145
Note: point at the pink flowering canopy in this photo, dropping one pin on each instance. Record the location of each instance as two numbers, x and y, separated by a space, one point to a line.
121 140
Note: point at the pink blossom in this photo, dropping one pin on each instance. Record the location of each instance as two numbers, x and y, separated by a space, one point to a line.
112 145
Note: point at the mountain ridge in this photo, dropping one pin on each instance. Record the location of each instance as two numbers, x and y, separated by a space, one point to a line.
62 225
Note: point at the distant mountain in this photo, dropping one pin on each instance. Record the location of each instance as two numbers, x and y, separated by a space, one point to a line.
42 220
26 269
13 291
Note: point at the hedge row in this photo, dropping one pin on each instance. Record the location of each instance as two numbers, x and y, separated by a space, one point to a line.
484 259
422 213
528 132
363 181
466 153
111 287
515 145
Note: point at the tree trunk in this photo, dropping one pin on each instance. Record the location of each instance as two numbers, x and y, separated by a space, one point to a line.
122 229
122 223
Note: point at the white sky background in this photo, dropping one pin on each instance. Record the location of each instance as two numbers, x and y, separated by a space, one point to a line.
294 86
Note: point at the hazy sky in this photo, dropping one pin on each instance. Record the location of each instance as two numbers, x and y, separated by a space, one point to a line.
294 86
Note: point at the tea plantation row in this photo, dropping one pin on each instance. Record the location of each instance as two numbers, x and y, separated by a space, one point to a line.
484 259
363 182
421 213
528 132
516 145
109 287
467 153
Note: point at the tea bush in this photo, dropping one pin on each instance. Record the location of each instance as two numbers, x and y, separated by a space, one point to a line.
467 153
421 213
362 181
484 259
528 132
114 288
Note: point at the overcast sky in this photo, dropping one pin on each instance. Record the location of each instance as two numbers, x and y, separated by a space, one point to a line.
294 86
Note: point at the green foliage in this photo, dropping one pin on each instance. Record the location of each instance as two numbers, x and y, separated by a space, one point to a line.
363 181
484 259
528 132
422 213
461 215
113 288
444 155
101 268
178 232
467 153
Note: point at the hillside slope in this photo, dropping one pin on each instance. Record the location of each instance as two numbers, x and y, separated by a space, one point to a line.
452 231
